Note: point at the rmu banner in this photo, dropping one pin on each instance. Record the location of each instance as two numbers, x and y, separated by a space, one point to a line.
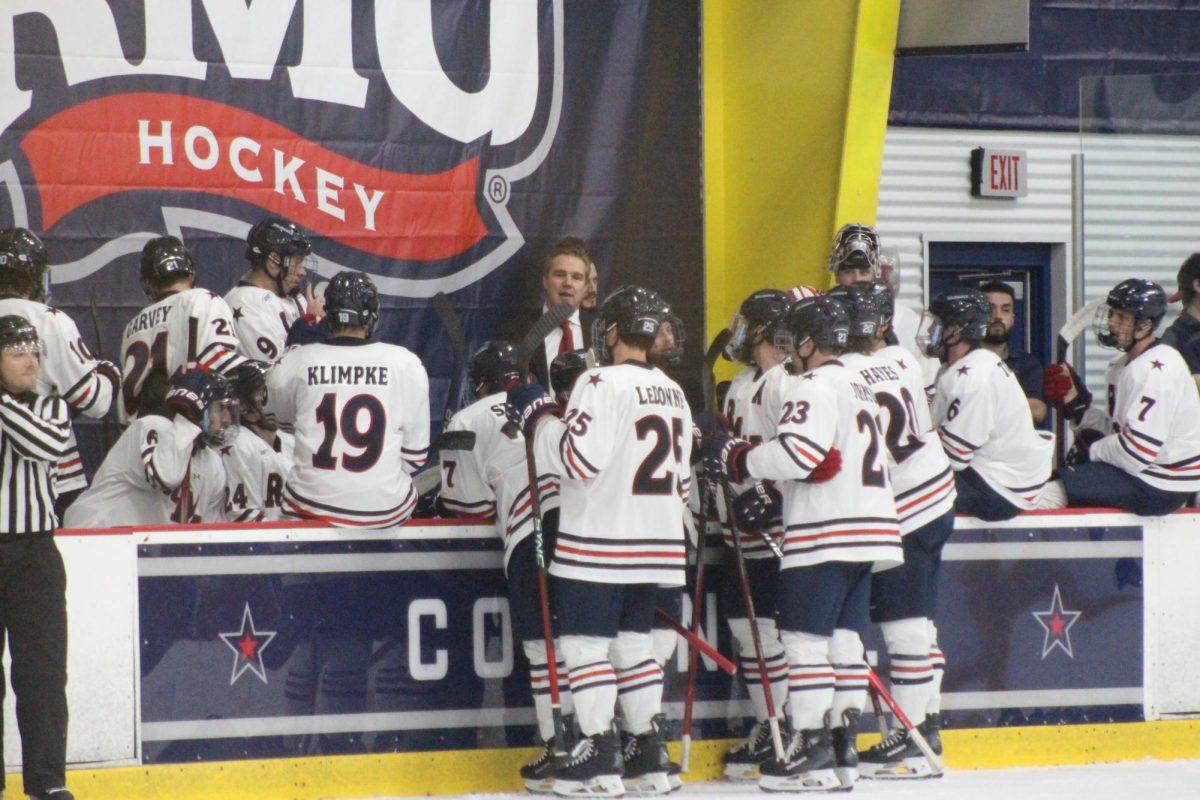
436 146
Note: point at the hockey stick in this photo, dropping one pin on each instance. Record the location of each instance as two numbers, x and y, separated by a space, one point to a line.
748 602
722 661
936 765
105 425
689 696
707 382
458 348
1079 321
455 440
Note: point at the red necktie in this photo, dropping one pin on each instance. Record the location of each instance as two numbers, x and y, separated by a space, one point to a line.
568 340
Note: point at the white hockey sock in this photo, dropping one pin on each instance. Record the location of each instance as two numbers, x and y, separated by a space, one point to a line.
774 658
639 680
911 670
810 679
665 641
1054 495
849 674
539 682
938 661
593 682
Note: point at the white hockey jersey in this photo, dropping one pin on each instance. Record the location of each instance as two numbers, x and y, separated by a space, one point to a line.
922 480
146 476
852 516
492 480
623 451
982 416
1153 420
254 475
68 370
752 406
181 330
261 320
360 413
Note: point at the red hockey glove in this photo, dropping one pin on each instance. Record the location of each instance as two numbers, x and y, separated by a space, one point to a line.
1062 386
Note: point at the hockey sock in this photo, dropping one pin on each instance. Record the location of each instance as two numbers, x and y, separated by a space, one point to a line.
639 680
810 678
664 643
849 673
911 670
773 657
938 661
539 681
593 682
1054 495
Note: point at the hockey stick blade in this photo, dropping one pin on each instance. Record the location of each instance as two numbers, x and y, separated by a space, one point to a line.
552 319
1076 325
936 765
707 381
426 480
448 318
456 440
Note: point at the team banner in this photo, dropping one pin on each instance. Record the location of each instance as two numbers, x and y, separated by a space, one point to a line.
254 646
436 146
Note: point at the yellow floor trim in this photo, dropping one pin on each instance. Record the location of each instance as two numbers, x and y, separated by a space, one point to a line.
470 771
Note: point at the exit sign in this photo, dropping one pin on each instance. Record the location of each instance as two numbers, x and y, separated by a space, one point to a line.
998 173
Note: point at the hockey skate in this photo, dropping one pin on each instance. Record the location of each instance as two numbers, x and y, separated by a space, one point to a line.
646 763
538 774
674 771
845 748
808 766
931 729
742 762
592 769
896 757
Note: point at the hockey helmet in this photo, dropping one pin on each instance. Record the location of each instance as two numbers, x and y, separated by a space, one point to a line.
821 319
23 260
494 367
164 261
963 308
1145 300
350 300
668 342
219 423
633 312
275 235
856 246
17 331
802 290
566 368
861 306
754 321
248 383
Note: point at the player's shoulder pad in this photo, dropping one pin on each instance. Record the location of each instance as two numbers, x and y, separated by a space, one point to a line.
1160 363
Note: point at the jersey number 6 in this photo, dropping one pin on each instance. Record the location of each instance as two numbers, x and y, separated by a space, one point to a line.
368 439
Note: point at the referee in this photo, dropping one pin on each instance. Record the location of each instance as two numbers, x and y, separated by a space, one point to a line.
34 434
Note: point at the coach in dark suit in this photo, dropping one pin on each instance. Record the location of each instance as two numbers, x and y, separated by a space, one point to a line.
567 274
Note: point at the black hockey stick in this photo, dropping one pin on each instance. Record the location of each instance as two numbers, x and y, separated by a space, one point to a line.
458 347
707 382
105 425
552 319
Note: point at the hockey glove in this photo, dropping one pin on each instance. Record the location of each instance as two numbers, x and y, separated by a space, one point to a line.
756 507
1062 386
528 403
721 454
185 397
1081 450
831 466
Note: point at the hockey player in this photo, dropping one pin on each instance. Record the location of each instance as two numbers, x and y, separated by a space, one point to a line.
68 370
360 411
753 406
260 456
1144 453
902 599
839 524
166 466
1001 462
627 427
183 326
492 481
268 300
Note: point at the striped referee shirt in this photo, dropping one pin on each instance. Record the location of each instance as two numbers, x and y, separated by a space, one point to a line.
34 433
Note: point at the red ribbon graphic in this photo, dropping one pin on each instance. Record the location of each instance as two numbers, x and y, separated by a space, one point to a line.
123 143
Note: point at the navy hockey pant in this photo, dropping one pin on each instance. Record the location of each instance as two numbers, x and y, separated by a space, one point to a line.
1099 484
978 499
910 590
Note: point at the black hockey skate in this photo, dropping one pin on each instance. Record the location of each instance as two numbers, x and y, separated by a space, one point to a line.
897 757
845 748
538 774
931 729
592 768
742 762
646 763
808 766
674 771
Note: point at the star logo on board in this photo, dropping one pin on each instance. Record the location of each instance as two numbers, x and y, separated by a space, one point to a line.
247 645
1156 364
1057 622
964 369
594 378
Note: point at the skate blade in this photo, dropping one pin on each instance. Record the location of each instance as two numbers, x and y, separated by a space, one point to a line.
846 777
910 769
820 780
648 785
674 781
600 786
540 785
741 772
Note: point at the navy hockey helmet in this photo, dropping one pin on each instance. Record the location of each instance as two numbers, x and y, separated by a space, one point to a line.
856 246
17 331
275 235
963 308
566 368
350 300
668 342
23 262
219 424
634 313
861 306
821 319
755 319
164 261
494 367
248 383
1144 299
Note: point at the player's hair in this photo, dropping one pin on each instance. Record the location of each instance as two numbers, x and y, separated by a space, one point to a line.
997 286
570 246
1189 273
